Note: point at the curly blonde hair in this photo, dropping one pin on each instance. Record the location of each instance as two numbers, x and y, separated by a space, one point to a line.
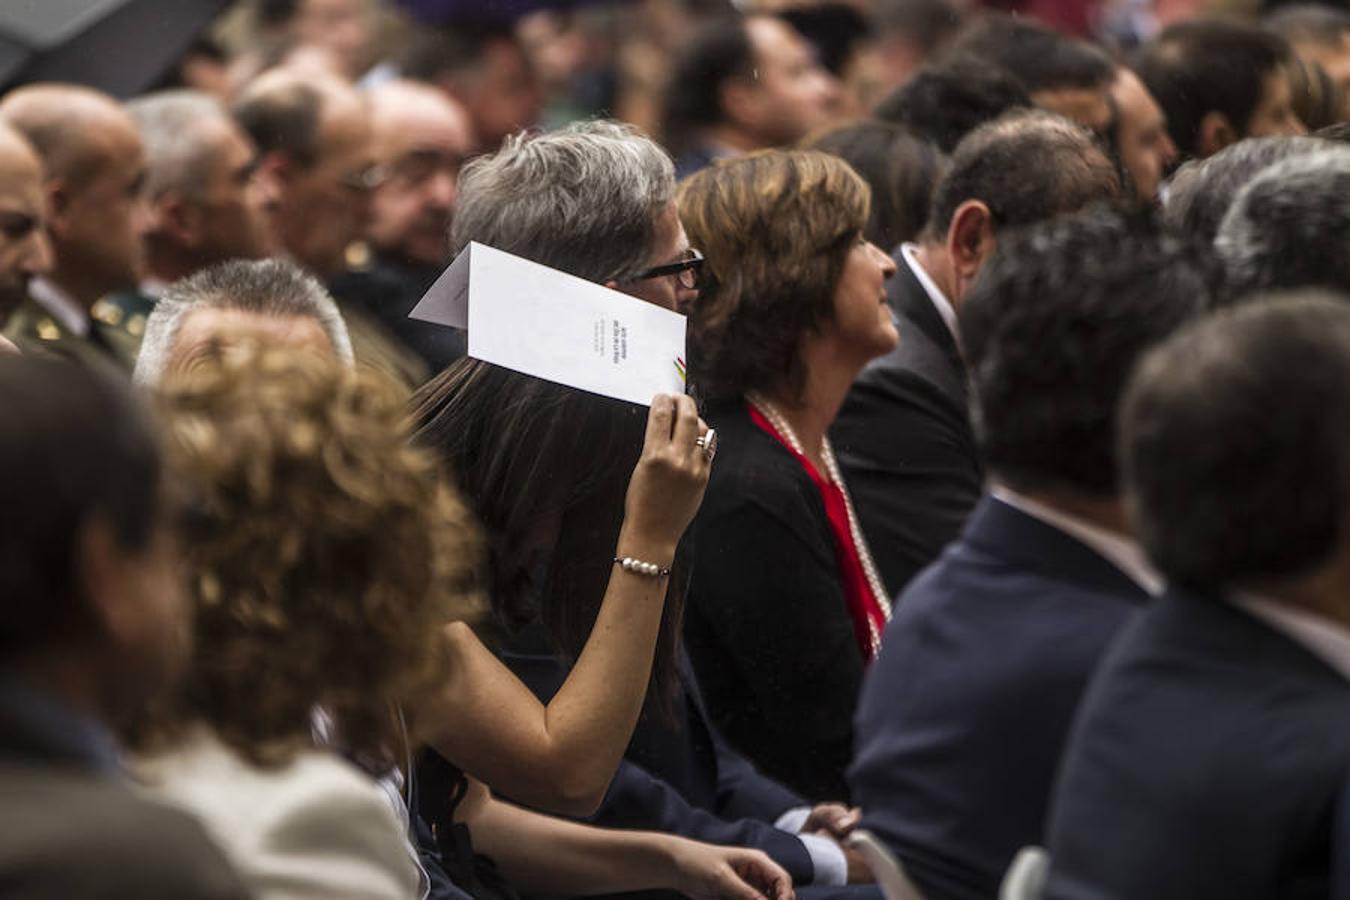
325 554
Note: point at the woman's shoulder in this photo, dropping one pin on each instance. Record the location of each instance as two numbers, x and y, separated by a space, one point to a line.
316 805
202 757
753 468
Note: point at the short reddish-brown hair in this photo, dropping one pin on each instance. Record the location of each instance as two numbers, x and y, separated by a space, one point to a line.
775 228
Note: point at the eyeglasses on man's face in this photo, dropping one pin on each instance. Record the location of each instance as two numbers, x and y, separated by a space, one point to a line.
686 270
365 179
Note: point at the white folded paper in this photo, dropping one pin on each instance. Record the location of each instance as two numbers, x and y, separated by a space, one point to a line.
555 326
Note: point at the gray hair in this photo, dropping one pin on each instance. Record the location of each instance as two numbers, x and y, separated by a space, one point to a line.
1200 192
1290 227
584 199
269 287
176 130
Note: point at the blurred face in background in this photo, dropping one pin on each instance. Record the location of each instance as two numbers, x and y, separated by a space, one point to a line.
1274 115
24 248
421 138
502 94
323 208
345 29
1334 57
789 94
232 206
1142 142
99 221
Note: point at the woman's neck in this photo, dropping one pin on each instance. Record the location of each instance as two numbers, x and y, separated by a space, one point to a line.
810 416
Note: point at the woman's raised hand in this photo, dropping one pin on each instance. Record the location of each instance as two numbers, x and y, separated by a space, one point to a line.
668 481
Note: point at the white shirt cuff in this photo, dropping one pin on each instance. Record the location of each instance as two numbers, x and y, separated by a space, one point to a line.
793 820
827 858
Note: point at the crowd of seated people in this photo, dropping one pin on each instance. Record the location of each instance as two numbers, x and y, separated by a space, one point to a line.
1002 522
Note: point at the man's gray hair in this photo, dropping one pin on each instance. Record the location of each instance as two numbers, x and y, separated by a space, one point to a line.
269 287
1201 191
584 199
1290 227
178 130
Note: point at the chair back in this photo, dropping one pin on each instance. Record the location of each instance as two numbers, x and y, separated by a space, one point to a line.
1027 875
888 870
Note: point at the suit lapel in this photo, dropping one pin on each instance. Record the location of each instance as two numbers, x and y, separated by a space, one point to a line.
910 301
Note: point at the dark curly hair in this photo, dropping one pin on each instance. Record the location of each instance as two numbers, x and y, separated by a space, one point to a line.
325 554
1052 330
1235 443
775 228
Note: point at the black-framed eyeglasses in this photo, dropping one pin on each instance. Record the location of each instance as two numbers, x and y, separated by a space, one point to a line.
685 271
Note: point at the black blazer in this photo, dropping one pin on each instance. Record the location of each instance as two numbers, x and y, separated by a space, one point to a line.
904 440
966 710
1206 761
767 624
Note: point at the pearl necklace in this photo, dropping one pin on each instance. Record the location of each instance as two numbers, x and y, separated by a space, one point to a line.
780 424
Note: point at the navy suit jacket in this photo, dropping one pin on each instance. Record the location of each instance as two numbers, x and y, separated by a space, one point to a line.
964 714
904 440
1207 761
683 778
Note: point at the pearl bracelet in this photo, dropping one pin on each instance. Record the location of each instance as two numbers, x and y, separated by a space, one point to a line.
638 567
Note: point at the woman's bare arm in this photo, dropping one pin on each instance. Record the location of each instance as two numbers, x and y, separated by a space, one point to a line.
561 756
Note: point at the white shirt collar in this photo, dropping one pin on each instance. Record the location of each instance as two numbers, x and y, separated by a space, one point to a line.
60 306
910 253
1327 640
1122 552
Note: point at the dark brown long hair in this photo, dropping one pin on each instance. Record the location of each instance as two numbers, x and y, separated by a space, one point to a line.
526 453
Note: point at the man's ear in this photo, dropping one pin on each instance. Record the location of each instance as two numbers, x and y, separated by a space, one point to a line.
174 216
59 198
1215 133
275 170
970 241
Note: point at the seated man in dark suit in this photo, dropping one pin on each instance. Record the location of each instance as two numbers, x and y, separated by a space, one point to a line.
1214 742
93 623
903 435
965 712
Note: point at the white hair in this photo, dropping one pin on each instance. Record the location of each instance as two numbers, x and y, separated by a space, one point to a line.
269 287
1290 226
176 130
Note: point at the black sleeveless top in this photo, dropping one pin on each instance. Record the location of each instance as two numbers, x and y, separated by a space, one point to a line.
438 789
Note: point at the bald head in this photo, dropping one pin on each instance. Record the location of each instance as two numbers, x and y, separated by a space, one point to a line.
421 137
24 249
93 160
70 126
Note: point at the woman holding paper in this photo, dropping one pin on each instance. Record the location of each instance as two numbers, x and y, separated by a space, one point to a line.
324 552
785 605
546 467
